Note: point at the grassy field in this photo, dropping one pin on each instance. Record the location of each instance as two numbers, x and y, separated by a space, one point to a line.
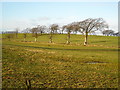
58 65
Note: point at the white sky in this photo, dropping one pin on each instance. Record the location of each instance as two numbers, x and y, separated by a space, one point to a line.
15 16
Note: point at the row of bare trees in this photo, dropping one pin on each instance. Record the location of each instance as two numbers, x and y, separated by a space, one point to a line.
85 27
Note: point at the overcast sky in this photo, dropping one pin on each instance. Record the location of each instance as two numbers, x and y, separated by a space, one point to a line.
30 14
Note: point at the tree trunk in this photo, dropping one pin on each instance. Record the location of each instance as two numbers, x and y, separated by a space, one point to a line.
9 39
16 35
40 32
51 37
86 38
62 31
36 36
24 37
35 39
68 38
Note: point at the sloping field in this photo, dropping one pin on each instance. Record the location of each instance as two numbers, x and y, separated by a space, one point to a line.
58 65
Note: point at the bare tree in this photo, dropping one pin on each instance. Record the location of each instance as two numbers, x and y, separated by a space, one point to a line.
73 27
16 32
41 29
76 28
63 28
90 25
69 28
25 32
35 33
116 34
52 28
108 32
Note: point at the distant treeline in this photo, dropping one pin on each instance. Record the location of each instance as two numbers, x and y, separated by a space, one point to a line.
105 33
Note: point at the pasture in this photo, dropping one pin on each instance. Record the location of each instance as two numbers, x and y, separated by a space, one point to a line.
58 65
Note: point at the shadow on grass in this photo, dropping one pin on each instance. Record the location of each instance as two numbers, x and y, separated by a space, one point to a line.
50 48
99 41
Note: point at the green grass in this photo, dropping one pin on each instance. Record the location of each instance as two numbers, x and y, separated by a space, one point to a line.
58 65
